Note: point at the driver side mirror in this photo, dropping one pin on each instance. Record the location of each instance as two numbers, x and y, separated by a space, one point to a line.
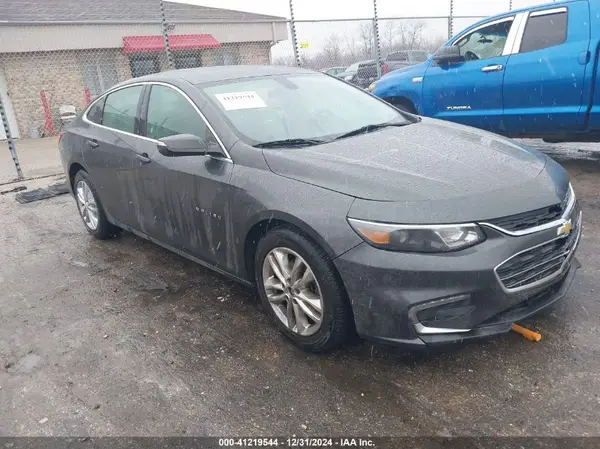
187 145
448 54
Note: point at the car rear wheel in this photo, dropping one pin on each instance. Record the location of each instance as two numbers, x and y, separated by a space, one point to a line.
90 208
301 291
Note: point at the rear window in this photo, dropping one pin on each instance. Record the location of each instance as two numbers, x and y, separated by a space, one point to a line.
398 56
544 31
419 56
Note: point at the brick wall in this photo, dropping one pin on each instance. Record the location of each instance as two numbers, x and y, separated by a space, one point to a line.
255 53
64 75
61 75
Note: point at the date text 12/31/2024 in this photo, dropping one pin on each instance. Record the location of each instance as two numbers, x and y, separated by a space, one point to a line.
296 442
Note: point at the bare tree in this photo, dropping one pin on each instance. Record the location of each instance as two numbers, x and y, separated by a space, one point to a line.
410 34
433 43
332 52
366 41
387 36
352 50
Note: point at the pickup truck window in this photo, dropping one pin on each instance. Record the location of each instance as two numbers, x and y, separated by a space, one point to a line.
486 42
543 31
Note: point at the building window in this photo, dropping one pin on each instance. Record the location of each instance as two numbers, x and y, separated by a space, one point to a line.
144 65
226 55
99 72
187 60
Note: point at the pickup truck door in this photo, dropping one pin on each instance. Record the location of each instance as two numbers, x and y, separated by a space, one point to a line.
470 91
544 80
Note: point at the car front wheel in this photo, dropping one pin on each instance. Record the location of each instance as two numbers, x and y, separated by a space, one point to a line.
301 291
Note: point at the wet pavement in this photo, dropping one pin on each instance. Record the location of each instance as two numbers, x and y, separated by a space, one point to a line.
124 338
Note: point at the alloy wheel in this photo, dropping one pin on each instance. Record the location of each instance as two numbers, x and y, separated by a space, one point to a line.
87 205
293 291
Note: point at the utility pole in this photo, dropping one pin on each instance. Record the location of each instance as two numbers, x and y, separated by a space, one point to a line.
165 35
293 31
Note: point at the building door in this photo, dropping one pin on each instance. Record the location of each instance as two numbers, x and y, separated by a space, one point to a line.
8 109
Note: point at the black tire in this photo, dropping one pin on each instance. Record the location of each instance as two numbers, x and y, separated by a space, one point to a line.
404 107
104 230
337 325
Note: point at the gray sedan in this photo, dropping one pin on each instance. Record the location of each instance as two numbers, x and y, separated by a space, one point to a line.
348 215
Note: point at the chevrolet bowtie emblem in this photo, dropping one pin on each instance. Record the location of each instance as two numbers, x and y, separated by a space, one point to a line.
565 229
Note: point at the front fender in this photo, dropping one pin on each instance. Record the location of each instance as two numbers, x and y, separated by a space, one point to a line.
403 84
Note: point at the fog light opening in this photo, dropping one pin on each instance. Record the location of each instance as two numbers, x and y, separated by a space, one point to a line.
436 317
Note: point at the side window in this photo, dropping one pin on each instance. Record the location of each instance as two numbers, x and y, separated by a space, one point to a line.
95 113
170 113
484 43
543 31
120 109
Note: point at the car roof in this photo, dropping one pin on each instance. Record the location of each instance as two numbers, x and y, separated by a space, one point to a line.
203 75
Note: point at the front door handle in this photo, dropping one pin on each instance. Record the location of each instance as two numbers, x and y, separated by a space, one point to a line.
143 157
93 143
493 68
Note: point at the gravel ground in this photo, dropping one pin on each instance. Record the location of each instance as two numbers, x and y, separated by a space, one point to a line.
124 338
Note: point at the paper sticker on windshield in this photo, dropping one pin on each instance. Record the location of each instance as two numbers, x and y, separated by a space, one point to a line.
240 100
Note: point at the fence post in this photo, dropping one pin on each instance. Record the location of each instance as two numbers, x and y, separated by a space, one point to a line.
293 31
165 35
9 139
376 37
451 20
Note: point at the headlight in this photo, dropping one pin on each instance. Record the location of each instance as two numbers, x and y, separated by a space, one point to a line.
348 77
418 238
371 87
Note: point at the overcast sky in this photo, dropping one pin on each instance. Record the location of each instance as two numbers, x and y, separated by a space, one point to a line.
316 34
327 9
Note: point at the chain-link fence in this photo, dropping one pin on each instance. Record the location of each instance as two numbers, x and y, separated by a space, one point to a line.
56 56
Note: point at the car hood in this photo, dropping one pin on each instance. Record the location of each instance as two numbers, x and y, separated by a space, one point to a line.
431 162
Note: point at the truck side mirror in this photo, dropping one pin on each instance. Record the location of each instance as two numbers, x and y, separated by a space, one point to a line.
448 54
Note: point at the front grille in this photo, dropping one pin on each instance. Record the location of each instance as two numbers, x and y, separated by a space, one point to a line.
538 217
540 262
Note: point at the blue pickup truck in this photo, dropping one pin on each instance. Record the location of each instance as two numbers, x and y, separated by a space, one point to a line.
526 73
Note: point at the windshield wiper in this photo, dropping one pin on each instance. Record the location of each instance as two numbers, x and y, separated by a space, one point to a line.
289 143
370 128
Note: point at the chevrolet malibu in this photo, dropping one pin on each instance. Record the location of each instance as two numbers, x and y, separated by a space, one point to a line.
347 215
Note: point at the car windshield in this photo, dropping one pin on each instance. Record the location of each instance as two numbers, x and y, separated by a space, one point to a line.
308 106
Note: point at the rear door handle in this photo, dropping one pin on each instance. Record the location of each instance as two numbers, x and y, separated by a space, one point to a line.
93 143
493 68
143 157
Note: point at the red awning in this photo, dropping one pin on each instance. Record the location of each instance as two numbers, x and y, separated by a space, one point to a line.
149 44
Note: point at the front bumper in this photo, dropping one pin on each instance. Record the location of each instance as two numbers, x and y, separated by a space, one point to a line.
387 288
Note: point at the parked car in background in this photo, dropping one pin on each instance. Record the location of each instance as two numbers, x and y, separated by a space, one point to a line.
361 73
345 213
403 58
526 73
335 71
